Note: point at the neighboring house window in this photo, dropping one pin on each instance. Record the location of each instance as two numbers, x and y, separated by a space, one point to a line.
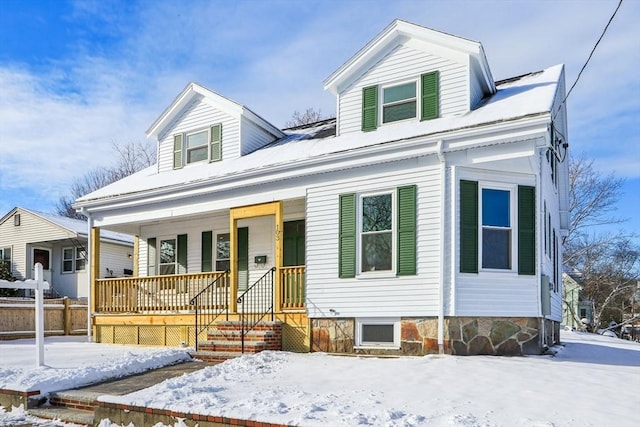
67 260
197 146
73 259
378 332
401 101
377 233
81 259
172 255
5 257
583 313
497 227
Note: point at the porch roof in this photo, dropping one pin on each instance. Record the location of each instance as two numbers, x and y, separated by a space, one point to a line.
522 97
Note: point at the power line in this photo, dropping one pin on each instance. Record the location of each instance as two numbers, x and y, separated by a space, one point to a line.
588 59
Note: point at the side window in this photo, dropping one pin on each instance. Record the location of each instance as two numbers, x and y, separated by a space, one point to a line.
496 229
67 260
223 252
5 257
81 259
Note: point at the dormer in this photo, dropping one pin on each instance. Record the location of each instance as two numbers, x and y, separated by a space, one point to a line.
409 73
203 127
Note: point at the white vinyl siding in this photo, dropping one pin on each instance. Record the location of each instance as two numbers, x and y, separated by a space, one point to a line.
253 137
382 296
399 65
198 116
492 293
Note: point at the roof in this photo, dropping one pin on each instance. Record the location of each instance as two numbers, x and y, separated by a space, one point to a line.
193 90
526 96
76 226
397 33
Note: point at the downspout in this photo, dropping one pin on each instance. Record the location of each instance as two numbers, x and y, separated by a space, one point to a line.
84 212
539 205
443 198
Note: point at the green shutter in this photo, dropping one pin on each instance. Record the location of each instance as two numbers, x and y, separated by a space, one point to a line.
430 95
207 251
369 108
347 236
468 227
243 257
177 151
407 230
182 253
151 257
215 151
527 230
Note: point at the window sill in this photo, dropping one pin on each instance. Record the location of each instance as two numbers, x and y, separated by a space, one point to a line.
376 275
376 347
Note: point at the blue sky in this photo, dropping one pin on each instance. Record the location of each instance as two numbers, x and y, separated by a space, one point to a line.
78 76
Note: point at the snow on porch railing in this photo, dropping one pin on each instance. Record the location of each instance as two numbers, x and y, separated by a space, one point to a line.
292 282
151 294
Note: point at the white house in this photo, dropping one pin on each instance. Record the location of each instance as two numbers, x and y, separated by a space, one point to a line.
59 244
425 218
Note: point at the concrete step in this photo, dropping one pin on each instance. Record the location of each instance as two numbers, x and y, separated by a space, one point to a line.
69 415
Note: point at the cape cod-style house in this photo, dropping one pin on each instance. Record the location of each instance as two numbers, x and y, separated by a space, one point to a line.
424 218
59 244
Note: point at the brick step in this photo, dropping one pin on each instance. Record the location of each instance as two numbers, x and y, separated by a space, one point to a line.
232 325
73 399
228 335
233 346
68 415
214 356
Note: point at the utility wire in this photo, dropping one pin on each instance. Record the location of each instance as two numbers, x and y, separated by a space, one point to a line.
588 59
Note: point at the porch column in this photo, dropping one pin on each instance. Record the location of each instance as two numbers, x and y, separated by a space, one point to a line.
279 237
136 248
233 263
94 268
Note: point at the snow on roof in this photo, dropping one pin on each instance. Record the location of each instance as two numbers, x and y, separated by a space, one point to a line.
79 227
525 96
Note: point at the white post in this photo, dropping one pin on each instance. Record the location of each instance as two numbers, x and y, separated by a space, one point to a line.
39 316
39 285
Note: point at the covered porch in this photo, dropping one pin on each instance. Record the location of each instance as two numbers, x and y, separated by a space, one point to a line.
255 267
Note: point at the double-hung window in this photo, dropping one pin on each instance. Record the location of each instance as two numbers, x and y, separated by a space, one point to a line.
497 232
223 252
168 256
197 146
377 233
497 227
388 103
399 102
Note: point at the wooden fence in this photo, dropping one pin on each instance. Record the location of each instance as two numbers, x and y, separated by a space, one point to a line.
62 316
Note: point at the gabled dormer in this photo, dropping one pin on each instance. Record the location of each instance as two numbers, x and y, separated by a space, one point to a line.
202 127
409 73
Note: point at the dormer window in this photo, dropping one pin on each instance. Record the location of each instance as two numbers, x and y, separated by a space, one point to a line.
401 101
201 145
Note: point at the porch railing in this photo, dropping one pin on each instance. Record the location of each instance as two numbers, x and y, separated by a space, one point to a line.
292 282
210 303
256 303
169 293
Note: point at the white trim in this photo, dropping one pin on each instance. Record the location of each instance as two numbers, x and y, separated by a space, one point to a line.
363 321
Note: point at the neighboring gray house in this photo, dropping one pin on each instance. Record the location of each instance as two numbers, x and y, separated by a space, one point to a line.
60 245
425 218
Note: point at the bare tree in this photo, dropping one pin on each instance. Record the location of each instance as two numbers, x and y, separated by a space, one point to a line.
132 157
309 116
606 265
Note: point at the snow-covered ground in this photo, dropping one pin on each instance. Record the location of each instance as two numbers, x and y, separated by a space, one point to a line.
592 381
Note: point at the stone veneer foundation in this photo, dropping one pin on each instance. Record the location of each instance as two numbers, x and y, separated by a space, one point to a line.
500 336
